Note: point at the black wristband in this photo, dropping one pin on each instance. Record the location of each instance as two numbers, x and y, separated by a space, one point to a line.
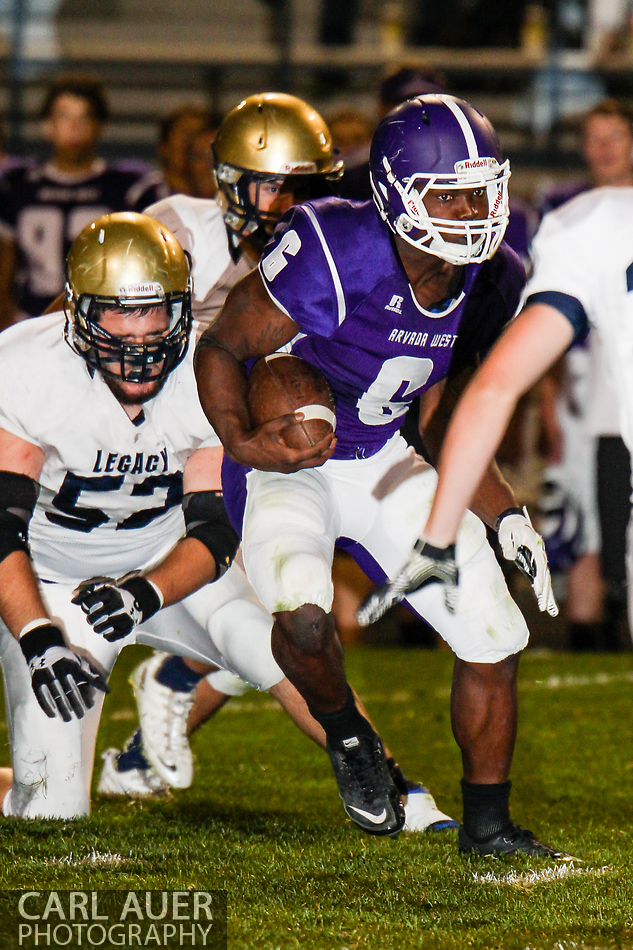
440 554
508 511
144 594
40 639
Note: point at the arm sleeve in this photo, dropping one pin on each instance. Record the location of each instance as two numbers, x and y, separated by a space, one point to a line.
563 274
300 273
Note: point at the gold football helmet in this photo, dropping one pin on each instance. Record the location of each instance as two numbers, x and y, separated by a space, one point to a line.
127 261
268 138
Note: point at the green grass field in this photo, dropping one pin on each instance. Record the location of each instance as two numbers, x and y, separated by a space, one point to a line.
264 821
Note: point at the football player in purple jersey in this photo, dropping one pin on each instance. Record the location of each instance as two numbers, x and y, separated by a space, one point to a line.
259 145
390 299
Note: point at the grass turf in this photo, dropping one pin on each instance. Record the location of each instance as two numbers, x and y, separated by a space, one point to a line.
264 821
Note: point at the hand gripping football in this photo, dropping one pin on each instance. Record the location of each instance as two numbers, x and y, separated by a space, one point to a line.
280 384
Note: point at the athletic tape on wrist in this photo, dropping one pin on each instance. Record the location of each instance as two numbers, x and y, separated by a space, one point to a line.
32 624
315 411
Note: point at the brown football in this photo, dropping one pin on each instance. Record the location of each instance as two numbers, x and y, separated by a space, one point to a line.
280 384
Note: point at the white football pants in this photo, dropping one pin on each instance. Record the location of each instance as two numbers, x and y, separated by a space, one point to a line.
222 623
292 522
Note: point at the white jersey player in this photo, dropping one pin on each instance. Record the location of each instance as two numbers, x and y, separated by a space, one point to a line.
98 441
583 276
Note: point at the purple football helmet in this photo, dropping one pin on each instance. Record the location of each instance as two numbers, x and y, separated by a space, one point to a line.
439 142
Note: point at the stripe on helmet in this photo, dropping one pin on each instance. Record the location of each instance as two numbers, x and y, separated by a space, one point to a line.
464 124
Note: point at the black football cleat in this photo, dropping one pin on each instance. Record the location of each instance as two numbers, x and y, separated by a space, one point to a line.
514 840
369 795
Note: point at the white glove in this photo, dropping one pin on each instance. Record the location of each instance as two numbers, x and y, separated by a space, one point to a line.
426 565
520 543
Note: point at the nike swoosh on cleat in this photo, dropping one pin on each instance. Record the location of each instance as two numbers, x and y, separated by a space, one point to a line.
375 819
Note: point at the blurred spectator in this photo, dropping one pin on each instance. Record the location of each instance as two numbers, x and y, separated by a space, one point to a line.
7 251
607 148
613 469
203 184
44 207
351 134
8 161
609 27
569 518
406 82
521 228
177 132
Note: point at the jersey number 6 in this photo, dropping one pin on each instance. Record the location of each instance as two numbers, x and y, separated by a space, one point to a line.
275 262
389 395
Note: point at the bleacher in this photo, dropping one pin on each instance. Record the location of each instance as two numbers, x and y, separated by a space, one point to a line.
153 57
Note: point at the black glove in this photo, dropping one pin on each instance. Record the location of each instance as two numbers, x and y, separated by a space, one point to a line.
115 607
63 682
426 564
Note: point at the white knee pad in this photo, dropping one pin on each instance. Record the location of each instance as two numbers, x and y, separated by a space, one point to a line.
295 579
290 526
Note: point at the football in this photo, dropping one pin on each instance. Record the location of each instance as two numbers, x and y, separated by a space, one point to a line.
280 384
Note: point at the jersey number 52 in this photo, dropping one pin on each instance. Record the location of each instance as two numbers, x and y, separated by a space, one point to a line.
83 518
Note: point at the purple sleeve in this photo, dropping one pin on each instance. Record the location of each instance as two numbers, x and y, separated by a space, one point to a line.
300 274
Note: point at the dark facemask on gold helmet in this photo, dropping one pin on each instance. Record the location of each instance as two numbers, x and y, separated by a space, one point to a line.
127 262
276 138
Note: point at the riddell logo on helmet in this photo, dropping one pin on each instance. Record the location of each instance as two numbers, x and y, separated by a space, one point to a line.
497 204
472 164
298 168
149 289
411 205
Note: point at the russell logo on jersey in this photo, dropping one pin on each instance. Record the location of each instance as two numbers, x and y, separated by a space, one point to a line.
395 304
